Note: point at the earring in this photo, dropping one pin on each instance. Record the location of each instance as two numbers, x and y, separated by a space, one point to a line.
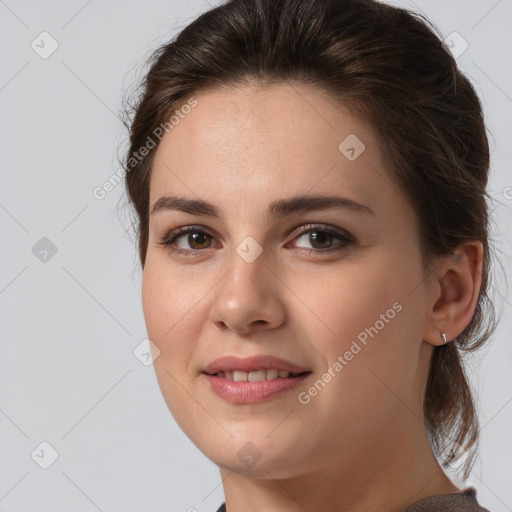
443 335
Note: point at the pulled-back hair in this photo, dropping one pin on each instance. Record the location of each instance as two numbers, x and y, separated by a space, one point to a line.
388 66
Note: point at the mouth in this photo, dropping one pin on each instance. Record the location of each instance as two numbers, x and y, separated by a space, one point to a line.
254 379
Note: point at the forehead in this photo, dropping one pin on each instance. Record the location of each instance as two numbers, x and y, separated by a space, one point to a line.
252 142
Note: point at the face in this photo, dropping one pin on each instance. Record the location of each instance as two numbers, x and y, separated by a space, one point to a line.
330 287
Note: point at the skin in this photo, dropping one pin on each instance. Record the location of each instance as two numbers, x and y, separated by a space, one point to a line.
360 443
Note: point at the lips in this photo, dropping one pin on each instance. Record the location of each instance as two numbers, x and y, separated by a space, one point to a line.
230 366
253 379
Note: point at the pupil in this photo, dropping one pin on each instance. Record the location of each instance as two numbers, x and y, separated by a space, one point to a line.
316 238
196 237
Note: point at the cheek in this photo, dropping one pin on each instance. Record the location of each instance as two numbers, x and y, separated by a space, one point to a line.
171 324
367 314
170 297
169 318
344 300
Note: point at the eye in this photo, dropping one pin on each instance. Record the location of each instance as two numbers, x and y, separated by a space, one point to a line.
195 239
320 237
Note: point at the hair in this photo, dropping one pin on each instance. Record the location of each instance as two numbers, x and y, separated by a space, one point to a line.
388 66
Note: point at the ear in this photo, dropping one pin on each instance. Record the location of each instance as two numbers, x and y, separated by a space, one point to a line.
452 298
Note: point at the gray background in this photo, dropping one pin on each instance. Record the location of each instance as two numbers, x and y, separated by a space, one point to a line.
70 321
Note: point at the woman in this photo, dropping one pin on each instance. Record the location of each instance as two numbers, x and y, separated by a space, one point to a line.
309 179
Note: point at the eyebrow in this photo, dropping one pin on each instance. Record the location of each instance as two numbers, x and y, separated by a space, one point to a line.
277 209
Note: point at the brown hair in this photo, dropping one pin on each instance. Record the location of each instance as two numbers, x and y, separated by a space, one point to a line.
387 65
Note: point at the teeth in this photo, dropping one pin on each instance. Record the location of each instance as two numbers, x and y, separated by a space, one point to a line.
239 376
255 376
272 374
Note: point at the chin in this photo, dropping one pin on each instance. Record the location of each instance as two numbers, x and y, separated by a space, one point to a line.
250 453
271 465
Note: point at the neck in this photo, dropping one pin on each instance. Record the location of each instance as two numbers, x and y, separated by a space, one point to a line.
393 473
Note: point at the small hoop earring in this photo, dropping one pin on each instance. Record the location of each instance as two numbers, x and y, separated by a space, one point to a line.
443 335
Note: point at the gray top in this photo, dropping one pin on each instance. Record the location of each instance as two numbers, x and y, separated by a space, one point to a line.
465 501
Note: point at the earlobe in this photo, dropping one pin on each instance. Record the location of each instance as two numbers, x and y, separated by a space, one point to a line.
454 300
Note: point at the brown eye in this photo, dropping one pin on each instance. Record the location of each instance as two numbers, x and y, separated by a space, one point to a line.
321 238
196 240
324 240
188 240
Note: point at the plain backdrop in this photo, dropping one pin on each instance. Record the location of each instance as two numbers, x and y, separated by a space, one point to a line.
75 395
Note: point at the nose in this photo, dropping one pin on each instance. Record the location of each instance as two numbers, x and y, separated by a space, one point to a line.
249 297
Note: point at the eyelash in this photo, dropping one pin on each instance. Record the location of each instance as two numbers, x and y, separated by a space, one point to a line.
345 237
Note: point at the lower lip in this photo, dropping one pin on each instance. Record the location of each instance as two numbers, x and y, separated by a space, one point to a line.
252 392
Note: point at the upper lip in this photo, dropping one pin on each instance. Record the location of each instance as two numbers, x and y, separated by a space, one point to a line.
249 364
